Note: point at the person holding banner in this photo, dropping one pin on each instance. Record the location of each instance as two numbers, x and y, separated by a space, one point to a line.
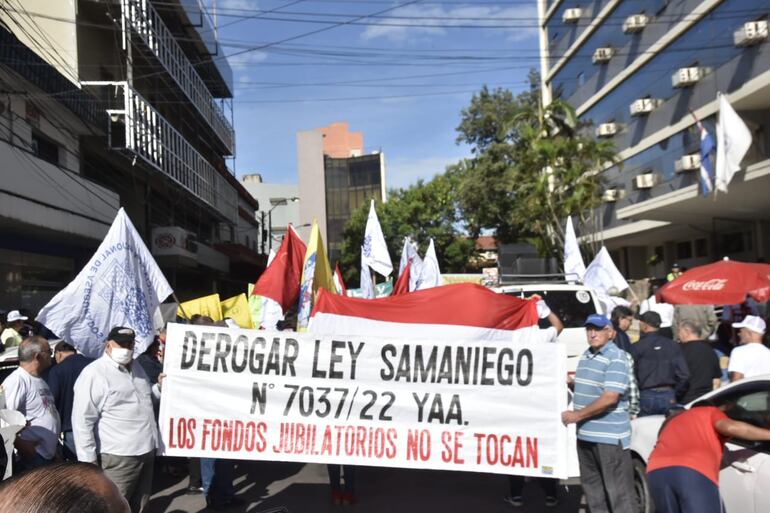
550 328
217 473
603 423
113 418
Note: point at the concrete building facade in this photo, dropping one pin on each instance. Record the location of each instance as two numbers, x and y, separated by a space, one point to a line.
641 71
110 104
335 178
279 205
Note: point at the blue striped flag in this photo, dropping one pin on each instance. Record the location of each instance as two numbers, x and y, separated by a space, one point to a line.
707 147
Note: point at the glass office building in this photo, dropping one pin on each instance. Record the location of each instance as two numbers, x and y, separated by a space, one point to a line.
641 71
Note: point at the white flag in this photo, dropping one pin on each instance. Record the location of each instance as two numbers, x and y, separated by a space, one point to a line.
120 286
430 275
602 274
375 250
574 268
409 253
733 141
367 287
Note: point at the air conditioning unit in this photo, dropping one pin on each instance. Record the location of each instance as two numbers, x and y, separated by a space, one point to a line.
606 130
613 195
643 106
751 33
635 23
687 163
602 55
572 15
646 181
686 77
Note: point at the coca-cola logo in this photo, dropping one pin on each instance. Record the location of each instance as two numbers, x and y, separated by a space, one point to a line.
715 284
165 241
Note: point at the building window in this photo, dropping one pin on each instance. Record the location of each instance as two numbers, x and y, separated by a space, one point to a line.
736 242
44 148
701 248
683 250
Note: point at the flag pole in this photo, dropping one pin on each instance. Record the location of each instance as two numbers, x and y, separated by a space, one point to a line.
179 305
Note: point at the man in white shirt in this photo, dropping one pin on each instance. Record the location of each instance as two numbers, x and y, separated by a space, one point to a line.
751 357
26 392
113 420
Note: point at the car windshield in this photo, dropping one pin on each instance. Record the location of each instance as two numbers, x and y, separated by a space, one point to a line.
571 306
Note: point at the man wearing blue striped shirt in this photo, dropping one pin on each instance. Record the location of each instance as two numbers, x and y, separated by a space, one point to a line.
603 424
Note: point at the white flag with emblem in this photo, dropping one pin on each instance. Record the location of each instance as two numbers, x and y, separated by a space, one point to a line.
733 141
120 286
375 250
367 287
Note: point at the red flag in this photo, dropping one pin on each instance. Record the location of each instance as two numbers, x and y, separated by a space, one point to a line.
280 281
402 284
462 311
338 282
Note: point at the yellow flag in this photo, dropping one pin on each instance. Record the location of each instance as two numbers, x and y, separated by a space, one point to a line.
237 308
316 274
255 305
206 305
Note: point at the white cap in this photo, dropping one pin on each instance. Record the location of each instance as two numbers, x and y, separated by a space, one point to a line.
15 315
752 322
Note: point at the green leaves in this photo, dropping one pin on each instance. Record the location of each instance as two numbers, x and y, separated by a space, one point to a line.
538 169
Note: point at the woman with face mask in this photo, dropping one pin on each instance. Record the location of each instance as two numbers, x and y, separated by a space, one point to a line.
113 420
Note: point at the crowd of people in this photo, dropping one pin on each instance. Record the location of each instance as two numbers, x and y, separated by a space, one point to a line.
104 412
672 364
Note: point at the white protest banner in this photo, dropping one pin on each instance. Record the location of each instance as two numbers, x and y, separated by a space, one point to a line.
476 406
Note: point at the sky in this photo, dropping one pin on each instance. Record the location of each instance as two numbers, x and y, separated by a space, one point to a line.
398 71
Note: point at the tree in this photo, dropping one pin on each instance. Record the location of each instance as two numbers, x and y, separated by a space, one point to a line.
422 211
539 167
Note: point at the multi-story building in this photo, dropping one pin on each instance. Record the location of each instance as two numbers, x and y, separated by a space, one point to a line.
280 208
642 71
119 103
335 178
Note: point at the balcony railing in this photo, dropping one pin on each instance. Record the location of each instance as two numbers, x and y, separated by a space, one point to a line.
150 137
142 17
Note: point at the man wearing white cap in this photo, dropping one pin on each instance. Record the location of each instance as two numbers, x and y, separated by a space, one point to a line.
751 358
11 336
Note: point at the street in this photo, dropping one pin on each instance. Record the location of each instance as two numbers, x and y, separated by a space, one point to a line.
303 488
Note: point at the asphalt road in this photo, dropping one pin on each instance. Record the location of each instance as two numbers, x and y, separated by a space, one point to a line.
304 488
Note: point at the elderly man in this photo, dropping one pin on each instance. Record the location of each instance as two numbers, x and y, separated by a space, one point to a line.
751 357
603 424
702 361
113 420
26 392
61 380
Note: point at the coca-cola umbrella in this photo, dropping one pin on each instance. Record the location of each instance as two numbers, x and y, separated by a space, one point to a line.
726 282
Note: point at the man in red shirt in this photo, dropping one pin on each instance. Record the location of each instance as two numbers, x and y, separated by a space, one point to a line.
683 470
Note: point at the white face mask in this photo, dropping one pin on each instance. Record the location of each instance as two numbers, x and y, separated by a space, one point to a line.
121 355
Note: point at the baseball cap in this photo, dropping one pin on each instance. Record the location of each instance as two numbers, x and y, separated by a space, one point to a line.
597 320
122 335
752 322
650 318
15 315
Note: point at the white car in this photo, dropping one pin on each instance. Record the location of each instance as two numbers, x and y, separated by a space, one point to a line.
572 303
744 481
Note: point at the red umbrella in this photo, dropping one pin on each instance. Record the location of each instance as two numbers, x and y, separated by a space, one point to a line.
726 282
